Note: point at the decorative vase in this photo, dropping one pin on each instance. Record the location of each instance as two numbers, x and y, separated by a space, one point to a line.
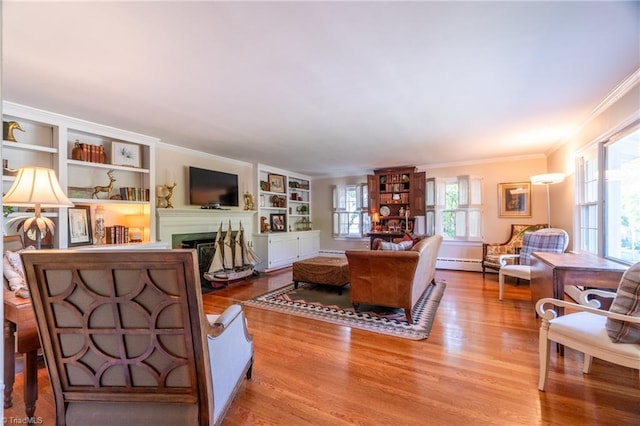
99 231
77 153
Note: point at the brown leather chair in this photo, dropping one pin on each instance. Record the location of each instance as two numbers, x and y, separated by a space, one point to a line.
127 342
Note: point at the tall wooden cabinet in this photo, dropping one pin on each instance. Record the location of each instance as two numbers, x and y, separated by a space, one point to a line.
122 159
398 196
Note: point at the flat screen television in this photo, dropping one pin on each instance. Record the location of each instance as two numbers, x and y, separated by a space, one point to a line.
211 188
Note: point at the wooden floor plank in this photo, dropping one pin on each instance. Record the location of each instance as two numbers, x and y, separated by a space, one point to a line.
478 366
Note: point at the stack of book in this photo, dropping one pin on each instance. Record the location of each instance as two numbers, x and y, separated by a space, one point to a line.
117 234
129 193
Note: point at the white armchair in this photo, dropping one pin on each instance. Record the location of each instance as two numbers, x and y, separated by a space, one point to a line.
554 240
585 331
231 354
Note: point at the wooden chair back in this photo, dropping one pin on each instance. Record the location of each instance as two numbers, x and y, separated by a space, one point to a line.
123 334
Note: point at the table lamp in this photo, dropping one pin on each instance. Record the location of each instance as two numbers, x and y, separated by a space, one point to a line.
136 224
547 179
36 187
375 218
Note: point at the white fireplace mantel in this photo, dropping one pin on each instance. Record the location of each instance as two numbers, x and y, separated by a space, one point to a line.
185 221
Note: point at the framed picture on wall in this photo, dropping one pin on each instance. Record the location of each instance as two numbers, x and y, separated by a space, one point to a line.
514 199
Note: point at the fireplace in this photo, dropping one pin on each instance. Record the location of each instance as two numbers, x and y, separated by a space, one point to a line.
197 228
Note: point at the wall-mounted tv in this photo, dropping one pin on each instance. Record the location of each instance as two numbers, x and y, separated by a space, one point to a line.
211 188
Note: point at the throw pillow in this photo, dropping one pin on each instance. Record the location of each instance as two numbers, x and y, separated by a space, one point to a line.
376 244
14 272
401 246
626 302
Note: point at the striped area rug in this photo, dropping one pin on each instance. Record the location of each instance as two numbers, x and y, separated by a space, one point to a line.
325 304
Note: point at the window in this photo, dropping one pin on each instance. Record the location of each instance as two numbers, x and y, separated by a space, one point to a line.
587 198
622 195
454 208
350 208
608 219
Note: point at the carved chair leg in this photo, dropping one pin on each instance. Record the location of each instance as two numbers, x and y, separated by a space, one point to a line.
9 362
30 382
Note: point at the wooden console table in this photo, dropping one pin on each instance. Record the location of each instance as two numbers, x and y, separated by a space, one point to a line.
20 327
551 272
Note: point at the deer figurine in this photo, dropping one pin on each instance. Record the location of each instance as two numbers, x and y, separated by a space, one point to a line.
107 189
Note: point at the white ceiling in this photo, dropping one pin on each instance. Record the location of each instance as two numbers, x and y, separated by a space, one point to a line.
325 88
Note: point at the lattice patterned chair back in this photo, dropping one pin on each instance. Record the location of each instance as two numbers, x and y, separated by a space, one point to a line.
124 336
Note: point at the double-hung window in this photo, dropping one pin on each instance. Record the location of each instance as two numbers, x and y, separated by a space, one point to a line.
454 208
350 208
608 201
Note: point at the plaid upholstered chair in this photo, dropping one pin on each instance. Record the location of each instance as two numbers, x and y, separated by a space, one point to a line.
491 252
126 340
551 240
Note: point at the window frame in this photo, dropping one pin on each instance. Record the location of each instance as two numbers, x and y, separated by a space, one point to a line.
342 213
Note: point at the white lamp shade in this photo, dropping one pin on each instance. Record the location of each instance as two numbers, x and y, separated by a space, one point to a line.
36 185
547 178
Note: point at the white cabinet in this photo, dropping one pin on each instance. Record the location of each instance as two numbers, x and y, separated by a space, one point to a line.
279 250
122 161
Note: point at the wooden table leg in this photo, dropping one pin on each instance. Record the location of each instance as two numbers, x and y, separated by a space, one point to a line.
30 382
9 362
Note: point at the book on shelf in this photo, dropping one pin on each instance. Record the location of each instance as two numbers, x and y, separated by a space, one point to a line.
117 234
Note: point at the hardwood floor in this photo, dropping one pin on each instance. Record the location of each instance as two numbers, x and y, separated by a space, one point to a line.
479 366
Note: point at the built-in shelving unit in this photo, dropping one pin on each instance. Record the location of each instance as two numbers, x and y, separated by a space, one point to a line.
49 140
284 228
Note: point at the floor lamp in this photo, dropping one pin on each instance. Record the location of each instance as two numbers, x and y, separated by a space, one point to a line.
547 179
36 187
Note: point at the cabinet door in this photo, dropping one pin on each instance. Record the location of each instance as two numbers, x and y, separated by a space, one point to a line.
374 194
308 245
418 204
283 250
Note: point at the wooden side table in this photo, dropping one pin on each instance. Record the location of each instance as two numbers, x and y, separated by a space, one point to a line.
20 328
551 272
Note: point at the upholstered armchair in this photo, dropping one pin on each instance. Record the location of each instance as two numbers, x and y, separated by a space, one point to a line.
126 340
551 240
491 252
612 335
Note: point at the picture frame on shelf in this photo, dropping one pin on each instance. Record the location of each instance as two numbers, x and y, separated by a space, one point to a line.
514 199
276 183
80 233
125 154
278 222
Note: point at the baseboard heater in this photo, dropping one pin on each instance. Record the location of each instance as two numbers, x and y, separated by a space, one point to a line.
331 252
473 265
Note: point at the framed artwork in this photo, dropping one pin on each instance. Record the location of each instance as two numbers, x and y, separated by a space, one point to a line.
278 222
276 183
514 199
125 154
80 226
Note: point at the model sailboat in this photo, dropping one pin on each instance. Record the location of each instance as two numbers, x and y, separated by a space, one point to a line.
233 259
